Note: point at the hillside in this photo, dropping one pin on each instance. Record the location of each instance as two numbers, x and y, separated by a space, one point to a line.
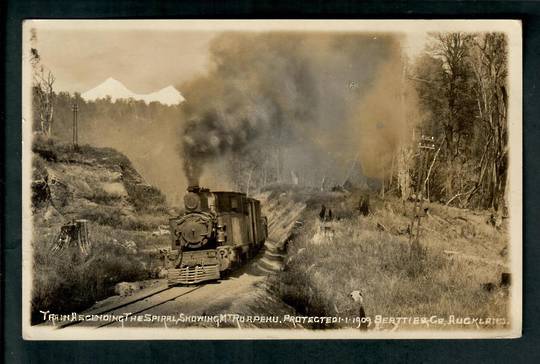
94 183
122 210
458 269
146 133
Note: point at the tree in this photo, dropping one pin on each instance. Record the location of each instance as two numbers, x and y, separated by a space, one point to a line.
442 82
489 63
463 90
453 49
43 92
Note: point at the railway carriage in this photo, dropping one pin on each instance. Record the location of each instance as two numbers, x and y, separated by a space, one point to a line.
217 233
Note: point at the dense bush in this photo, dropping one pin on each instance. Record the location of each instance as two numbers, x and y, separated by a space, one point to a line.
145 197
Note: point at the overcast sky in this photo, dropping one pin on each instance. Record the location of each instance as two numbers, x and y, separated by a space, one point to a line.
145 60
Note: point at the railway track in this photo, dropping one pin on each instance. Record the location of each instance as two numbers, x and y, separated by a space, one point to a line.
172 297
165 300
136 304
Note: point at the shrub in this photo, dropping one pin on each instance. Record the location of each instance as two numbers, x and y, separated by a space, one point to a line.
44 148
69 283
103 215
100 196
145 197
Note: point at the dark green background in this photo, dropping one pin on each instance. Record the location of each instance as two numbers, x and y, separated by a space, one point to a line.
16 350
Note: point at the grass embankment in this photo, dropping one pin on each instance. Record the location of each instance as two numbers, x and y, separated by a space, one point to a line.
460 256
100 185
70 282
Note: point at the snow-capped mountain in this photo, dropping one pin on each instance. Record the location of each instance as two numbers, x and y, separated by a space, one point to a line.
116 90
168 96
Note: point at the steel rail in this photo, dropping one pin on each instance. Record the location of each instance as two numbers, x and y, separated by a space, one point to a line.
155 305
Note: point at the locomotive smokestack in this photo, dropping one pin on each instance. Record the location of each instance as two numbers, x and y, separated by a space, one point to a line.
192 167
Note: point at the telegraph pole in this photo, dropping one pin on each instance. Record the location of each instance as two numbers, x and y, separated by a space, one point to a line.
425 145
75 109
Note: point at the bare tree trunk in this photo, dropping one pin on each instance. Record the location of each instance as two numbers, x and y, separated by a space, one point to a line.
489 66
426 181
392 166
44 88
403 175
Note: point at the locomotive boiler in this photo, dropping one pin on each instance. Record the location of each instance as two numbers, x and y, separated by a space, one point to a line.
218 232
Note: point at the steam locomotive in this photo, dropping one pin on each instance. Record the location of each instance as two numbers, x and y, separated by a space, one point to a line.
218 232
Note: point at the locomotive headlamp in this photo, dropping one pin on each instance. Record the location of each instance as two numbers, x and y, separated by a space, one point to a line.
191 201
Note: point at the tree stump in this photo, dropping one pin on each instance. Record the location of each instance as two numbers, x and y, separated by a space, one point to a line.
73 234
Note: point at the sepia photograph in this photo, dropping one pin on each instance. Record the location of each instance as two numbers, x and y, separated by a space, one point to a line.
271 179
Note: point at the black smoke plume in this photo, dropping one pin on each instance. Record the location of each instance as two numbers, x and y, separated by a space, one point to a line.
296 90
